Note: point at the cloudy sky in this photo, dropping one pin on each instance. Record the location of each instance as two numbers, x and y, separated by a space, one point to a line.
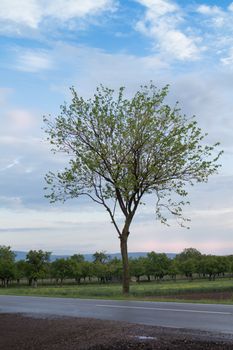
48 46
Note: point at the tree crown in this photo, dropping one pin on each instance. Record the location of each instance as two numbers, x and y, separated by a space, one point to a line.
121 149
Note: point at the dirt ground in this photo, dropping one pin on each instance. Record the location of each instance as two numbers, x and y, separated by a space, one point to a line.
20 332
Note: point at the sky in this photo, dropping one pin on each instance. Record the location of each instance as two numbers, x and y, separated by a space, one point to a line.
48 46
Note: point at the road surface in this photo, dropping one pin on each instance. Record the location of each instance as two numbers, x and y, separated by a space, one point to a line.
217 318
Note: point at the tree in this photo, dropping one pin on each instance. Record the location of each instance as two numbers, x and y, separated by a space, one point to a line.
100 271
189 253
61 269
37 263
230 263
20 270
137 267
100 268
100 257
122 149
87 270
7 265
115 269
187 267
173 269
188 261
210 266
79 258
157 264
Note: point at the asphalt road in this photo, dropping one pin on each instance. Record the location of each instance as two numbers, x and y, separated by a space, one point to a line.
217 318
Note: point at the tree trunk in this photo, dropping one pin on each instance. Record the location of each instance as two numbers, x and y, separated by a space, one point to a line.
125 262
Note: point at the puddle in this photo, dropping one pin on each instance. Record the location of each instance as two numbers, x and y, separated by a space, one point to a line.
144 337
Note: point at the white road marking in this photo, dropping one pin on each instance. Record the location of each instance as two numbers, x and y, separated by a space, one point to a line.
163 309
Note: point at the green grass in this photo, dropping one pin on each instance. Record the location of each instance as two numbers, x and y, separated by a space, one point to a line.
141 291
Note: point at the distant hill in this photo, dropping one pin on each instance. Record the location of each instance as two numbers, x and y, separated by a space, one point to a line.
89 257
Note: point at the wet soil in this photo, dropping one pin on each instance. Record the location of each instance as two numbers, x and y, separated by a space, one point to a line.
23 332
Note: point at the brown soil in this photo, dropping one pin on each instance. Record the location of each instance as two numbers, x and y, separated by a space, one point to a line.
18 332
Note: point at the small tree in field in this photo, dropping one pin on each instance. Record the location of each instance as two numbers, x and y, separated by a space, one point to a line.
7 265
122 149
36 265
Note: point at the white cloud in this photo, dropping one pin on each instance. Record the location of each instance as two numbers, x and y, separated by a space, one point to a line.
209 10
25 12
162 23
179 45
33 61
10 165
10 202
218 17
228 60
217 27
65 10
212 213
208 96
161 7
18 14
188 33
17 164
230 7
16 141
89 67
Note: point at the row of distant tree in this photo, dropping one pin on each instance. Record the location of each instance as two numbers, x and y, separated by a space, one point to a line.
155 266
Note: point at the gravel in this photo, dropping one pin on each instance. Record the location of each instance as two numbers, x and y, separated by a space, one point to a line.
23 332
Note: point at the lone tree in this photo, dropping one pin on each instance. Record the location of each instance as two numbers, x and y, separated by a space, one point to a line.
121 149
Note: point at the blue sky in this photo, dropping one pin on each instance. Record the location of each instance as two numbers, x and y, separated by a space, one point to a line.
49 46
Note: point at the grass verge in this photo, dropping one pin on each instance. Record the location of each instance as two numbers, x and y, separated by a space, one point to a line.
219 291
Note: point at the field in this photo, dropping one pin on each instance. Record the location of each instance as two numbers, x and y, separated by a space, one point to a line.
218 291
